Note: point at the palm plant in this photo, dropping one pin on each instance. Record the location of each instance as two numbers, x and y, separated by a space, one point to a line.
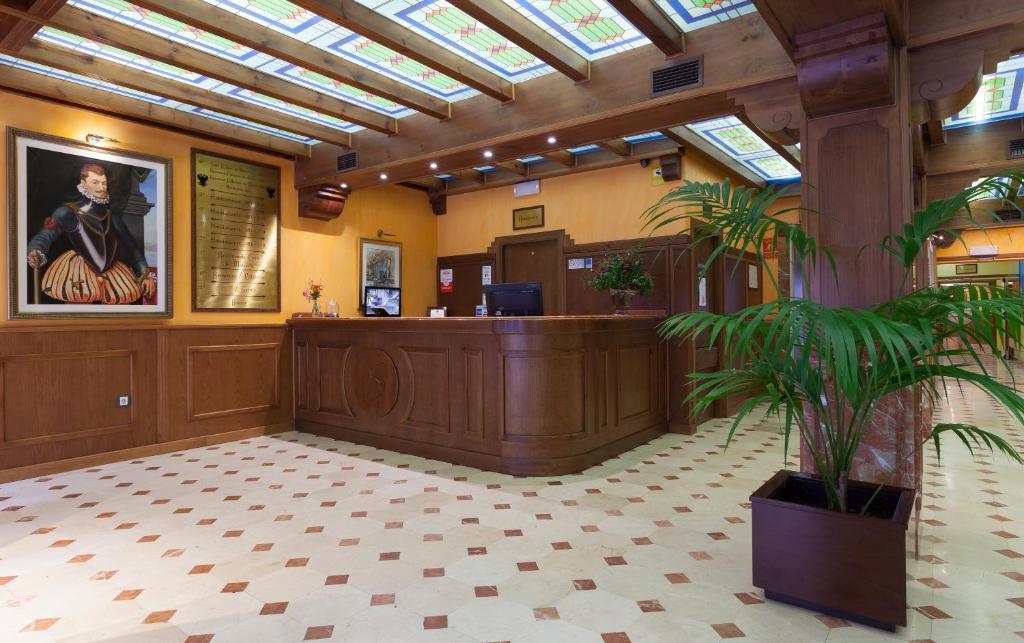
824 371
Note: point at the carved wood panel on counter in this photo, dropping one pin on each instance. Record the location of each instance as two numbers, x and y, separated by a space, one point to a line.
62 389
532 396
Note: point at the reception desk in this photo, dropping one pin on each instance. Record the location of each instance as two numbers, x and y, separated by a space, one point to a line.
524 396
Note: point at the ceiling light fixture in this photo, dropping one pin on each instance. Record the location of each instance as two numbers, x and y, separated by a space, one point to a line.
433 165
488 154
344 186
552 140
383 177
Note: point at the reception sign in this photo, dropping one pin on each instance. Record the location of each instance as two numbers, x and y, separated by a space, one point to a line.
236 224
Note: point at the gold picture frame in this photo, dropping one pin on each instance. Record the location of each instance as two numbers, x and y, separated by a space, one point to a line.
525 218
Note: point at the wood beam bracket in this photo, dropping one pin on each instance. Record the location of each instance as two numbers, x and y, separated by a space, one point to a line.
774 108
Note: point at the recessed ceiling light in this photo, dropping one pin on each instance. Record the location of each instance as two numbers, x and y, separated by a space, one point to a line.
488 154
344 186
552 139
433 165
383 177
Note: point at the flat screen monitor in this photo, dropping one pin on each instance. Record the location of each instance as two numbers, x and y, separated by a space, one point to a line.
514 300
383 302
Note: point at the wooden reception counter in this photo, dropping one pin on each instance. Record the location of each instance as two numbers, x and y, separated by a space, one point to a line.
525 396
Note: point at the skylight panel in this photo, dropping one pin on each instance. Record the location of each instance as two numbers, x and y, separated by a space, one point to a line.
173 73
738 141
583 149
591 27
528 160
690 15
207 42
643 138
149 98
999 98
311 29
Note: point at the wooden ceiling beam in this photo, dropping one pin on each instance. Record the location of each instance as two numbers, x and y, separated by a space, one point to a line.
688 139
382 30
515 167
617 146
137 110
652 22
615 103
562 157
101 29
16 30
936 133
231 26
522 31
125 76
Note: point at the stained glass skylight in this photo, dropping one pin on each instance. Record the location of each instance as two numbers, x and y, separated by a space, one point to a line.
1000 96
529 160
643 138
8 61
311 29
591 27
212 44
735 139
583 149
695 14
170 72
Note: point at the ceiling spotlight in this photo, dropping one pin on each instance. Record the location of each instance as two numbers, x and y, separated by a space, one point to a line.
344 186
488 154
552 140
433 165
383 177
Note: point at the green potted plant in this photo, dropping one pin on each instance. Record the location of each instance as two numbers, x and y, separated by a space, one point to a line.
624 276
825 541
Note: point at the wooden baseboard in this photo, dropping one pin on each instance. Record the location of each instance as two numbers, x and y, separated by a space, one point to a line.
61 466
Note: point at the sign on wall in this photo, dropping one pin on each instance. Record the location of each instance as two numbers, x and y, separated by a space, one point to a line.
236 226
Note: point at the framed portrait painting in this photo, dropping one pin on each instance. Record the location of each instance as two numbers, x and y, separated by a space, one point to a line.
380 266
89 230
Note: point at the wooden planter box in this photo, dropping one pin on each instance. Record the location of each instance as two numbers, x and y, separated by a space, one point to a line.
844 565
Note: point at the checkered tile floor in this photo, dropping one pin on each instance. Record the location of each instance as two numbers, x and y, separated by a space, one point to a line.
297 537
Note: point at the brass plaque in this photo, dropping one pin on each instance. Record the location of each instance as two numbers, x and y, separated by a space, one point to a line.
528 217
236 224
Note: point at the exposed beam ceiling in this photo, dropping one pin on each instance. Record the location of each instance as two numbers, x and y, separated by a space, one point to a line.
562 157
225 24
684 137
781 150
125 76
981 148
98 28
135 109
652 22
615 103
520 30
15 30
370 24
617 146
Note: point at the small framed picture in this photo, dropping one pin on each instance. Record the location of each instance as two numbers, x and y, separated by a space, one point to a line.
967 269
532 217
380 265
437 311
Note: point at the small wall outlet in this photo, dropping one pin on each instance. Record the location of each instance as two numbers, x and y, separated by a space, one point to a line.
122 401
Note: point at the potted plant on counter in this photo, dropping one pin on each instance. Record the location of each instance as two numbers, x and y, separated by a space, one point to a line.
624 276
822 540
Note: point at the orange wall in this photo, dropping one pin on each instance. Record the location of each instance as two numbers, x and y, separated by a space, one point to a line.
602 205
1008 239
309 249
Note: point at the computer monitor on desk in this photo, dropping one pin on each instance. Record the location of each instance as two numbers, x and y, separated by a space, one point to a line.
514 300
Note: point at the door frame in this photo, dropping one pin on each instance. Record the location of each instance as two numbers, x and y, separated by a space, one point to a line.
563 244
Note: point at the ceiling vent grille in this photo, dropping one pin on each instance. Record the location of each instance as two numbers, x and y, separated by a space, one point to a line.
348 161
686 74
1017 148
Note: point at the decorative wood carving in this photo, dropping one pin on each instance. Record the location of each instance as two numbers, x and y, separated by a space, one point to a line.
323 202
846 66
775 108
371 382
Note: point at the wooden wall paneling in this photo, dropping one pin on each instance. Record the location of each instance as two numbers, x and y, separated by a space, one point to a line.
227 378
582 299
538 256
60 388
467 284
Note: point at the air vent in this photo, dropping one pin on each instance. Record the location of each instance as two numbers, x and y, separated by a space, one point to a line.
1017 149
678 76
348 161
1008 214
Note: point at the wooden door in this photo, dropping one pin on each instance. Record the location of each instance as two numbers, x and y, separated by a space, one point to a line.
535 258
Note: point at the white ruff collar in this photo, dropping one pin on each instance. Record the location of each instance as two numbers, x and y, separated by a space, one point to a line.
92 197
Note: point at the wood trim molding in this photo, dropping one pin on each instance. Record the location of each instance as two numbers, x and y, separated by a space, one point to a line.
60 466
190 378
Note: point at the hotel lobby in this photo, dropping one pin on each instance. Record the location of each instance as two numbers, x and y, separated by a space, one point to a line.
512 320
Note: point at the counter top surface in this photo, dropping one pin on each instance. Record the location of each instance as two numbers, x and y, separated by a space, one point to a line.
545 324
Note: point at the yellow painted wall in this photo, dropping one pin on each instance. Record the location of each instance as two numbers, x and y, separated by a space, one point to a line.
309 249
1008 239
602 205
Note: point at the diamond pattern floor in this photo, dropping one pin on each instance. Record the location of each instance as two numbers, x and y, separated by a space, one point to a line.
298 537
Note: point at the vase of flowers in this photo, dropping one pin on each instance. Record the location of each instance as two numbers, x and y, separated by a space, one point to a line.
624 276
312 293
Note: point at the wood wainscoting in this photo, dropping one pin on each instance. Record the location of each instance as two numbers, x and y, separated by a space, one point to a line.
60 391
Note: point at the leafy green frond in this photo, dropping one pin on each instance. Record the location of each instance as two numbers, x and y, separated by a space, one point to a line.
973 436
